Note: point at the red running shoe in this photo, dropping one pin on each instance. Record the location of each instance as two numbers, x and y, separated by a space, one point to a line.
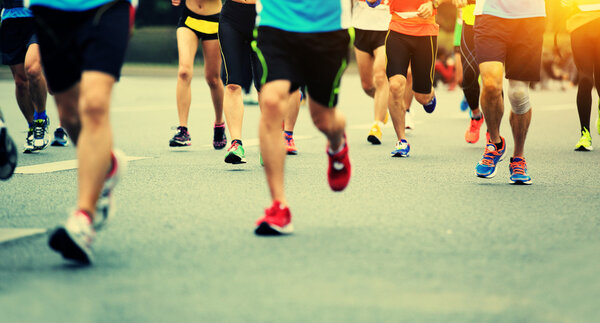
277 221
338 174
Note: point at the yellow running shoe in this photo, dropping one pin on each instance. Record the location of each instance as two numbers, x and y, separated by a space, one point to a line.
585 142
375 134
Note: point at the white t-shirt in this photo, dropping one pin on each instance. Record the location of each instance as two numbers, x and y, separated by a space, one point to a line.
511 9
367 18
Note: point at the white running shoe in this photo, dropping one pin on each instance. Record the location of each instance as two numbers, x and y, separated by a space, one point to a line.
105 206
74 239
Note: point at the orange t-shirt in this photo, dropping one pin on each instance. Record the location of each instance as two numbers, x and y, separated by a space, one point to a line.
413 26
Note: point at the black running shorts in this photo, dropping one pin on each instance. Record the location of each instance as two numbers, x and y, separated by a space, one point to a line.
369 40
240 62
417 51
16 34
316 60
73 42
205 27
517 43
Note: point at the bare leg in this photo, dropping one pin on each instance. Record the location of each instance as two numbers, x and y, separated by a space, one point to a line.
187 45
292 112
68 112
274 99
492 102
381 84
234 110
365 70
22 91
37 83
520 124
396 101
330 121
212 70
408 93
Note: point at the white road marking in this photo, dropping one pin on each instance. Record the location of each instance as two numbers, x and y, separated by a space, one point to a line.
57 166
14 234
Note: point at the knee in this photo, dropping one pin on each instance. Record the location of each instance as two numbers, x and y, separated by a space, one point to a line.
272 104
491 86
233 89
213 81
185 73
423 98
33 71
397 87
368 88
518 94
380 78
94 109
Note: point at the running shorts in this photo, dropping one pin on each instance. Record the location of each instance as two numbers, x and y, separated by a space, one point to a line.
417 51
314 60
240 62
369 40
517 43
72 42
205 27
16 34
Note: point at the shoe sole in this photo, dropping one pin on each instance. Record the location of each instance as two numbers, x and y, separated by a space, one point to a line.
374 140
59 143
179 144
219 147
581 148
294 153
61 242
264 229
234 159
518 182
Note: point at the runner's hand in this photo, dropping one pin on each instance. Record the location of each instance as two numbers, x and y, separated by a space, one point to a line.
425 10
176 3
460 3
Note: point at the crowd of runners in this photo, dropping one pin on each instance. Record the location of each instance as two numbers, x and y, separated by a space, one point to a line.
291 50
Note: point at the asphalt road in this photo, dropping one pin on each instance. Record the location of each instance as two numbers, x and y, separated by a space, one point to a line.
412 239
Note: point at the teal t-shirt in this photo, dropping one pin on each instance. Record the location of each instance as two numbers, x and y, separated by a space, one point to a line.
69 5
305 16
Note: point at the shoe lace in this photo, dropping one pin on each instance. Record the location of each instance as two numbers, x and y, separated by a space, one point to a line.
38 129
518 167
488 157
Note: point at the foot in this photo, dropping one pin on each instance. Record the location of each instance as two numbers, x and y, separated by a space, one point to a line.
486 168
181 138
219 137
8 153
236 153
74 239
290 145
105 206
472 134
430 107
28 146
40 134
409 123
518 171
402 149
585 142
61 138
338 173
277 221
375 134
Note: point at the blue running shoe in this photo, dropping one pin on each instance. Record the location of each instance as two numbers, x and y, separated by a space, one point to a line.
518 171
429 107
486 167
402 149
464 105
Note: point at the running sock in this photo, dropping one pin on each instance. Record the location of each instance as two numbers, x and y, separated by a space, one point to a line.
289 133
331 152
239 142
220 125
39 115
184 129
477 117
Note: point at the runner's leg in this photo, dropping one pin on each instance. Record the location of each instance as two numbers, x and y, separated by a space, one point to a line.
187 45
212 71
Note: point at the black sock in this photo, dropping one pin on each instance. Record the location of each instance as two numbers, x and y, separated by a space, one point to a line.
238 141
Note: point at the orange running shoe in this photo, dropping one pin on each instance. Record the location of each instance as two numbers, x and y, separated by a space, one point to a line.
472 134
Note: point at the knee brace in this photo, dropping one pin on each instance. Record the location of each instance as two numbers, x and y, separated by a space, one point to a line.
518 95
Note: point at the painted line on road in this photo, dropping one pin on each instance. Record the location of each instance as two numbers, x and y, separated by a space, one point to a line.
57 166
14 234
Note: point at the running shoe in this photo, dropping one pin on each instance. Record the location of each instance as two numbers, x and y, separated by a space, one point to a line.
338 173
430 107
277 221
464 105
402 149
375 134
61 138
8 153
219 137
235 154
409 122
472 134
486 168
28 147
518 171
290 144
585 142
181 138
74 239
40 133
105 206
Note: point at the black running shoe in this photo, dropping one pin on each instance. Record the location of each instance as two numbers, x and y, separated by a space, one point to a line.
61 138
8 153
181 138
219 137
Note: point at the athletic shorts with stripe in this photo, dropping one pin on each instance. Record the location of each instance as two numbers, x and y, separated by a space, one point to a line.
205 27
236 28
515 42
75 41
16 35
369 40
417 51
314 60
